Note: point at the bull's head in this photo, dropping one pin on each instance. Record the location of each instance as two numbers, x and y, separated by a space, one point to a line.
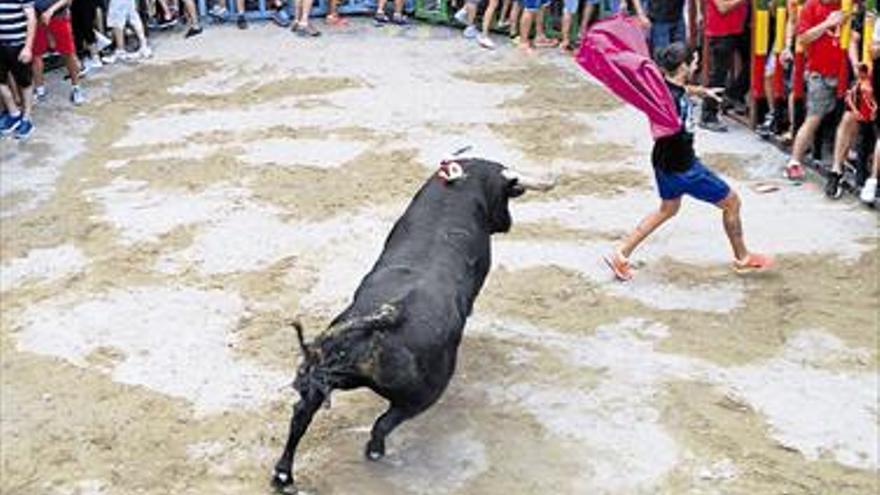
499 184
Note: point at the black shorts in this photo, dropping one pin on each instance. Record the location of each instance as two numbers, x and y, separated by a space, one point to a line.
9 64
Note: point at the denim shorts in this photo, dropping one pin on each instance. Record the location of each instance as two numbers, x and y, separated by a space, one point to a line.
533 5
698 182
571 6
821 94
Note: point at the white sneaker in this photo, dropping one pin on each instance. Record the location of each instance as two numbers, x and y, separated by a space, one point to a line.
461 15
869 191
114 57
91 64
145 53
101 41
486 42
40 93
470 32
77 97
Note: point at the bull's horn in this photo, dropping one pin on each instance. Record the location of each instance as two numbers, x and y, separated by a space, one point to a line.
306 352
530 183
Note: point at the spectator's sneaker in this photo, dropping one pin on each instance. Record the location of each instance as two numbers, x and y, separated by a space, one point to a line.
753 262
869 191
114 57
795 172
620 266
400 20
503 26
101 41
461 15
168 23
833 187
281 18
218 13
8 123
307 30
242 23
24 130
486 42
765 129
193 31
713 125
380 19
40 93
144 53
77 97
470 32
92 64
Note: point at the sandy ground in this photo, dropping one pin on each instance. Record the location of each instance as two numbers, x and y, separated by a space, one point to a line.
155 240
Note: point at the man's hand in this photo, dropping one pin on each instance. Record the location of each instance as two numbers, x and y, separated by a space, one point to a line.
25 55
834 19
644 21
713 94
786 55
46 17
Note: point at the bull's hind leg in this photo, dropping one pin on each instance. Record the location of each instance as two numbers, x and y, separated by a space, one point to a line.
385 424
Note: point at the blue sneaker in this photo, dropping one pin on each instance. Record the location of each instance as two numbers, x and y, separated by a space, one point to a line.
24 130
8 123
281 18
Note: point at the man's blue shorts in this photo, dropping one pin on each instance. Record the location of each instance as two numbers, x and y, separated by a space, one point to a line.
533 4
697 181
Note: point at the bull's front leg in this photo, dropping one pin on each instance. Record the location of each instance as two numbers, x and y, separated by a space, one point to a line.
303 411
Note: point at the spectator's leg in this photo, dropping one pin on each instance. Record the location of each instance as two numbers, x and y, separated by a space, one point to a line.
540 35
525 28
569 9
380 7
489 16
846 133
720 61
8 99
38 68
138 27
305 10
398 7
804 138
192 14
514 19
740 86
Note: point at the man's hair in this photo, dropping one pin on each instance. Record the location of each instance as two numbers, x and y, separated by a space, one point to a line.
670 57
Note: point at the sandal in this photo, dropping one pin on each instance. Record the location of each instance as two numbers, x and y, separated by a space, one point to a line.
753 262
307 31
336 20
545 43
619 265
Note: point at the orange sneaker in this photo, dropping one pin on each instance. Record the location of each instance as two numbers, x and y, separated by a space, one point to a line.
753 262
619 265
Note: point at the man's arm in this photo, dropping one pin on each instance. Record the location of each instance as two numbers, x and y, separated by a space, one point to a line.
25 55
640 13
810 35
51 11
725 6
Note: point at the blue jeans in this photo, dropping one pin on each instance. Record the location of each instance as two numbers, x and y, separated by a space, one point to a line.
665 33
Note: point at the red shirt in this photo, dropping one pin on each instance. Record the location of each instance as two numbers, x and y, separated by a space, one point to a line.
733 22
823 54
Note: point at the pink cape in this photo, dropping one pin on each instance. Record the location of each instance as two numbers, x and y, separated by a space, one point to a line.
615 52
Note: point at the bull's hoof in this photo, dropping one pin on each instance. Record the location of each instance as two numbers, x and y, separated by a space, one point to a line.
375 450
282 482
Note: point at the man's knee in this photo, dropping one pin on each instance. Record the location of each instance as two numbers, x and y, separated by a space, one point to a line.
731 202
669 208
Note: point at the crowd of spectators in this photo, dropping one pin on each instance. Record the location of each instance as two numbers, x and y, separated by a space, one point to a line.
88 34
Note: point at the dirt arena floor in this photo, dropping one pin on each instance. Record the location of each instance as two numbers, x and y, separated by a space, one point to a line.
155 240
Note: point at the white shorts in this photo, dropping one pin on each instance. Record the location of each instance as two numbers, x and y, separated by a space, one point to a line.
119 12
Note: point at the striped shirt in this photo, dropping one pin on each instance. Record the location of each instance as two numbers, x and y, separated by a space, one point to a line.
13 23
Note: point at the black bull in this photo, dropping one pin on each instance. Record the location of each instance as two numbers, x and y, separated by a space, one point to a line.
400 335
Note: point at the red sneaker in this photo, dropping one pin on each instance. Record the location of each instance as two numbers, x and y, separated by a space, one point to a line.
753 262
795 171
619 265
